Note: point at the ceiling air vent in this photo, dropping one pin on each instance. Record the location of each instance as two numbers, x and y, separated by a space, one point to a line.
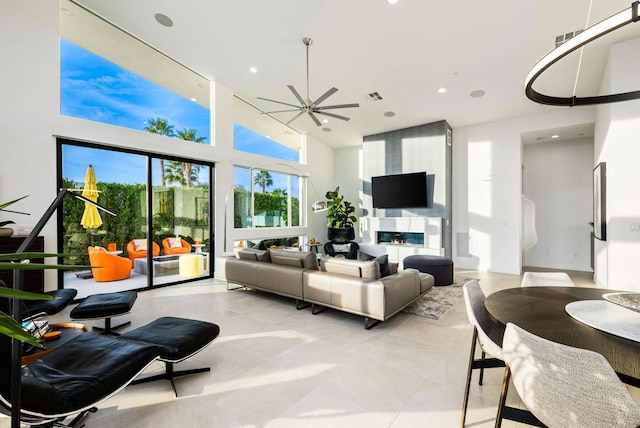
566 36
374 96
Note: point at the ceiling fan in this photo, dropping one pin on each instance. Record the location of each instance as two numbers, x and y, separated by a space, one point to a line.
306 105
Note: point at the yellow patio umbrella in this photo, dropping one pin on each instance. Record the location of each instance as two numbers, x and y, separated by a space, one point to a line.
90 217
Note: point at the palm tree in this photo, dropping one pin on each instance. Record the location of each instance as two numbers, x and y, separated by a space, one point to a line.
263 179
162 127
190 171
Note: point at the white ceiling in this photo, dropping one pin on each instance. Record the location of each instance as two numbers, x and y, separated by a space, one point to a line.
405 52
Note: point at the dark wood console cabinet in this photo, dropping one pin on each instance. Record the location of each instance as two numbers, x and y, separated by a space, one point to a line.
33 279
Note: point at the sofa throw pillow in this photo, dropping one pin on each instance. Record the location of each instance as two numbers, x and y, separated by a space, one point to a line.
243 255
383 260
175 242
343 269
393 267
309 259
260 255
341 248
286 261
363 269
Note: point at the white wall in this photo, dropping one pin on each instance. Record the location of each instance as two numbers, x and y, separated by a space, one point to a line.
30 120
617 143
557 177
487 186
348 175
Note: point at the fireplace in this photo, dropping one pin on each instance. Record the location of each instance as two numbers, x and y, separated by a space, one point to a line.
400 238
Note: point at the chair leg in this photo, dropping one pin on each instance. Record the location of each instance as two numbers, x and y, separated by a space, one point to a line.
484 356
170 375
465 400
503 396
110 330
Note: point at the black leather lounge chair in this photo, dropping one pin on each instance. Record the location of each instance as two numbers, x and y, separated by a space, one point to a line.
178 339
37 308
74 378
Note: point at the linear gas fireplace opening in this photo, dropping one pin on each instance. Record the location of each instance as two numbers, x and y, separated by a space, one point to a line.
401 238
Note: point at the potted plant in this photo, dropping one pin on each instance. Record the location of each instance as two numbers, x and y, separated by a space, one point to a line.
9 326
340 218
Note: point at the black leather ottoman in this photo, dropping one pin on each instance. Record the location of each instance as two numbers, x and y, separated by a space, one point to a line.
37 308
105 306
178 339
441 268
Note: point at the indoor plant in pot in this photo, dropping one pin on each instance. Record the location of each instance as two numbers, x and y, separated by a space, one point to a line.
340 218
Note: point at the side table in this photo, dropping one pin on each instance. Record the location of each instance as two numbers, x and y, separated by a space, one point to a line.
314 247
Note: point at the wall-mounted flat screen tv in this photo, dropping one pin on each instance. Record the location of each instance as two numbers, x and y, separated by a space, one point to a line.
400 191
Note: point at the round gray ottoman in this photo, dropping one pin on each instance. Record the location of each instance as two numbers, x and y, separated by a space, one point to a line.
440 267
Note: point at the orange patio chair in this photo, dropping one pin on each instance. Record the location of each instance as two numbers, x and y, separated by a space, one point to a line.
114 268
173 245
137 249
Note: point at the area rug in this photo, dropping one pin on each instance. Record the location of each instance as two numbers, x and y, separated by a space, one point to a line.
437 301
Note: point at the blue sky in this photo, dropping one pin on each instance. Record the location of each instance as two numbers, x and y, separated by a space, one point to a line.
95 89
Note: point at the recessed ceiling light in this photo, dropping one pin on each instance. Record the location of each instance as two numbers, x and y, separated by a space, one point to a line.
253 70
164 20
442 90
325 120
389 114
392 1
555 136
193 99
326 129
478 93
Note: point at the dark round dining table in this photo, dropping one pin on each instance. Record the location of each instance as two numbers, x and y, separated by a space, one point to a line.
541 310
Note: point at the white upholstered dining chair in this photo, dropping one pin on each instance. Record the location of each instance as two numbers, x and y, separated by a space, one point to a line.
564 386
489 335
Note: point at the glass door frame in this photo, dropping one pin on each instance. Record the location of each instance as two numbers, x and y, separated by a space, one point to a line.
150 157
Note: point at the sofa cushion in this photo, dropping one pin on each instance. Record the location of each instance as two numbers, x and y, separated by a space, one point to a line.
286 261
363 269
383 260
247 256
254 254
309 259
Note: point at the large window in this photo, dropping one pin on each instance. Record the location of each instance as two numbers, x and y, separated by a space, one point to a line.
108 76
258 133
264 198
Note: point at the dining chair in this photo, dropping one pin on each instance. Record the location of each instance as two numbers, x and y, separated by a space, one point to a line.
564 386
485 332
489 335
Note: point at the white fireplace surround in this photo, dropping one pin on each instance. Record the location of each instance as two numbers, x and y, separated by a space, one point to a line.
431 227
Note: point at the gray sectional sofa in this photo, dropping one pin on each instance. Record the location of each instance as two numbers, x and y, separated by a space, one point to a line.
347 285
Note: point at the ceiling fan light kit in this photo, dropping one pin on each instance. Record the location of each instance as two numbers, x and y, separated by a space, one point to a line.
312 108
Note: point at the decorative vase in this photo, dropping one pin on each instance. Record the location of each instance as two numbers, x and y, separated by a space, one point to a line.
6 231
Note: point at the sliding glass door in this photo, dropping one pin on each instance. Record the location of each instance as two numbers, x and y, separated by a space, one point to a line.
171 245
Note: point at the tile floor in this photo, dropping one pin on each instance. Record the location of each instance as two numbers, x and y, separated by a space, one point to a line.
274 366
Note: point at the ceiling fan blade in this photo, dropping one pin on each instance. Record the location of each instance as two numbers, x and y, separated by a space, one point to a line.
281 111
279 102
295 117
336 116
315 119
324 96
297 95
338 106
